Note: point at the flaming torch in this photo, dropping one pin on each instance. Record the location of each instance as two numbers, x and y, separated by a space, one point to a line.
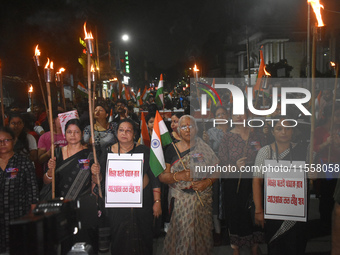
37 62
336 68
93 79
196 70
317 30
30 96
59 78
48 79
89 45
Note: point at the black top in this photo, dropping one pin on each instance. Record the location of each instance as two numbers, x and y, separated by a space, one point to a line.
146 166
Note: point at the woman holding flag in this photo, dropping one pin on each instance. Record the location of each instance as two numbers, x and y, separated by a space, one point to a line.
190 230
131 228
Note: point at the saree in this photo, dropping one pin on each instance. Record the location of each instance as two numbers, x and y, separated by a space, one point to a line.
190 230
72 176
131 228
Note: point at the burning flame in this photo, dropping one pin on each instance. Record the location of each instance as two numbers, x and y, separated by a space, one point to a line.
61 70
49 64
87 35
317 10
37 51
92 69
30 89
195 68
265 72
332 64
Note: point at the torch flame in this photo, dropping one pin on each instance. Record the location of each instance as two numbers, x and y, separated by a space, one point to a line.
265 72
61 70
195 68
317 10
92 69
37 51
332 64
49 64
87 35
31 89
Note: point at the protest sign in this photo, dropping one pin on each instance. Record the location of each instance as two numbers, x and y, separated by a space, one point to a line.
285 190
124 180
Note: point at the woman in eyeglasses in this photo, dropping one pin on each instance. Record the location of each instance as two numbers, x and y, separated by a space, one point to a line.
190 229
131 228
18 185
282 236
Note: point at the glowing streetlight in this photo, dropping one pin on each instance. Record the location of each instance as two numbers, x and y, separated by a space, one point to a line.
125 37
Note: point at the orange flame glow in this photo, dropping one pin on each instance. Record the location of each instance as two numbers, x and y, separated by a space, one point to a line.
92 69
332 64
37 51
265 72
195 68
61 70
49 64
317 10
87 35
30 89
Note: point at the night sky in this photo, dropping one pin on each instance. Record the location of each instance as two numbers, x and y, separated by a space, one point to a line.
163 33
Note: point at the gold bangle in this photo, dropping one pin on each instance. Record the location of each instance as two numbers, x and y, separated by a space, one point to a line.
211 183
174 176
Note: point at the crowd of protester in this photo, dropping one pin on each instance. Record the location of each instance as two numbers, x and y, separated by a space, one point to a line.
192 223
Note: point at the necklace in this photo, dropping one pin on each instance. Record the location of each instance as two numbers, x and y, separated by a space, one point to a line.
126 150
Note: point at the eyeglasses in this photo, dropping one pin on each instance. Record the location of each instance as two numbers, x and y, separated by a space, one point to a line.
128 131
221 114
184 128
5 141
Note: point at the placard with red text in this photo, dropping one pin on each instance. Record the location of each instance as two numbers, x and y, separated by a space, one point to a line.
285 190
124 180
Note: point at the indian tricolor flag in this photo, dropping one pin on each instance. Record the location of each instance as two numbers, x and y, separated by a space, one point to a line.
139 100
159 95
144 135
82 89
160 137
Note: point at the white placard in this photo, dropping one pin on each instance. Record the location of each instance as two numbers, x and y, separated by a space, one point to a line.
124 180
65 117
285 190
